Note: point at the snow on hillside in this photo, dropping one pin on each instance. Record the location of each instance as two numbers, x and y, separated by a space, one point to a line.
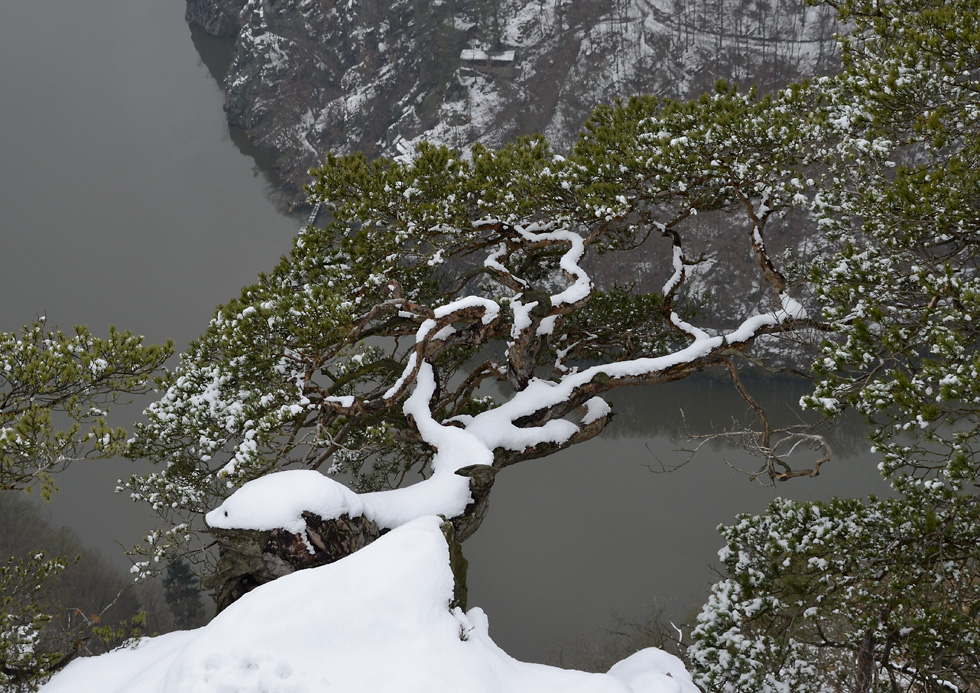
308 78
375 621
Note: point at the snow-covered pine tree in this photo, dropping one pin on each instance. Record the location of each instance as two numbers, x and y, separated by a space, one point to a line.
881 595
452 297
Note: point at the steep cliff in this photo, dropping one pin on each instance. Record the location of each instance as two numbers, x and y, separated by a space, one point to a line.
308 76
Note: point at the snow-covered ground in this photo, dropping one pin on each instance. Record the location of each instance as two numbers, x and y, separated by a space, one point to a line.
375 621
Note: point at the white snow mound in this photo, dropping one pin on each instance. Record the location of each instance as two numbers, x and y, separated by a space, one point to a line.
375 621
279 500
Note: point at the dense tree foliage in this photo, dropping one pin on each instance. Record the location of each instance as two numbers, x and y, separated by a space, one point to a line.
849 594
55 392
25 661
182 591
49 378
76 603
477 267
903 290
881 594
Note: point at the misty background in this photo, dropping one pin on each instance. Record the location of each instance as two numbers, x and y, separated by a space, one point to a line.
124 201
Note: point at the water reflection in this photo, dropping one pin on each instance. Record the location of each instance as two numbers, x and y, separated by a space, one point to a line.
594 531
217 56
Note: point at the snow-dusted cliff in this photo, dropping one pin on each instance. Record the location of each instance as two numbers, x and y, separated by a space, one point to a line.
310 76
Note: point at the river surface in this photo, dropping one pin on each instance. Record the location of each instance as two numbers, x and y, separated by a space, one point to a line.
123 200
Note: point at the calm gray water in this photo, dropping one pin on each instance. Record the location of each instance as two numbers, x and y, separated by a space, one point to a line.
124 201
122 198
600 530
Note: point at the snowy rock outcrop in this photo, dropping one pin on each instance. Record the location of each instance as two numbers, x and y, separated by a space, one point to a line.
310 76
378 620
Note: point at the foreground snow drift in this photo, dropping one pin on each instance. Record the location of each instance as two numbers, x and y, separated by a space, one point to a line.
375 621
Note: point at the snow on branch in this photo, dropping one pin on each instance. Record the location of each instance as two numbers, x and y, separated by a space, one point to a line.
457 312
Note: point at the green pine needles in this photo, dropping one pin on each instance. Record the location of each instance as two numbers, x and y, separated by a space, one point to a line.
56 390
881 595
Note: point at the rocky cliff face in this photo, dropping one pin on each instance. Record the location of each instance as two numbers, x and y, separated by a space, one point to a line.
308 76
303 77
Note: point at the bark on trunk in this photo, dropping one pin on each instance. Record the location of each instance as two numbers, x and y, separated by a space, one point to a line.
249 558
866 663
